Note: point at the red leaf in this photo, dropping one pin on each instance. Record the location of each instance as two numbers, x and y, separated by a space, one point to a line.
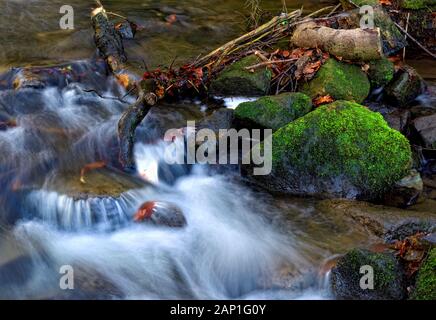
145 211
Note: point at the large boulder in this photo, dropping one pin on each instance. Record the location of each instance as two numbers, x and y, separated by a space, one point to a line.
340 150
274 112
236 80
388 277
342 81
425 288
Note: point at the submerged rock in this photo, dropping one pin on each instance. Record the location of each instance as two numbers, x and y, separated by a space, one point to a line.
405 88
426 127
381 72
105 200
405 192
388 223
388 277
235 80
339 150
274 112
340 80
425 288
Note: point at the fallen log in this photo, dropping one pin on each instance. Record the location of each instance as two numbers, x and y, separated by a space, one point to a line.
354 44
130 119
108 40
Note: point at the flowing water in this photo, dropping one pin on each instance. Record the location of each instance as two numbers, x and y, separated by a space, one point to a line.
237 243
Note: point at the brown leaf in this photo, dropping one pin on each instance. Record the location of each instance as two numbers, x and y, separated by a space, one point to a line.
311 67
385 2
124 80
89 167
145 211
323 100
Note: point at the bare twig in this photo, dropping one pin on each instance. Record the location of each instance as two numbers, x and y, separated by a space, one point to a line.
266 63
416 41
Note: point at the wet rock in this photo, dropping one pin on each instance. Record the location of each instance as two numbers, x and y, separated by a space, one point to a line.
405 192
425 288
388 223
339 150
426 127
91 284
104 201
274 112
90 72
219 119
405 88
235 80
161 214
396 118
380 72
388 277
165 117
340 80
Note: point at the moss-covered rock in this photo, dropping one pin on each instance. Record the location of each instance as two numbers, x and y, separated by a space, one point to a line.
381 72
340 80
418 4
274 112
341 149
405 88
388 277
425 288
235 80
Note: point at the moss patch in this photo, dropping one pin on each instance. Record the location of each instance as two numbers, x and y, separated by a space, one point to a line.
388 282
340 80
418 4
381 72
344 139
235 80
426 280
274 112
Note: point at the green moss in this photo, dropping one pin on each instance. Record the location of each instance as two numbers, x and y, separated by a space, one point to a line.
346 139
426 280
235 80
381 72
274 112
340 80
385 266
418 4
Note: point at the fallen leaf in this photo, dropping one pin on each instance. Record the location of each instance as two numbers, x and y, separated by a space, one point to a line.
323 100
365 67
172 18
124 80
385 2
311 67
89 167
145 211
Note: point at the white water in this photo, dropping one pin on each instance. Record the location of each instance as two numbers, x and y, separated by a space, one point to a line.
227 250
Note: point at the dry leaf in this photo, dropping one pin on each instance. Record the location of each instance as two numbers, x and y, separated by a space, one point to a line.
123 79
89 167
323 100
145 211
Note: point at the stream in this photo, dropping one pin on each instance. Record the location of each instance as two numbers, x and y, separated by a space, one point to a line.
237 243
